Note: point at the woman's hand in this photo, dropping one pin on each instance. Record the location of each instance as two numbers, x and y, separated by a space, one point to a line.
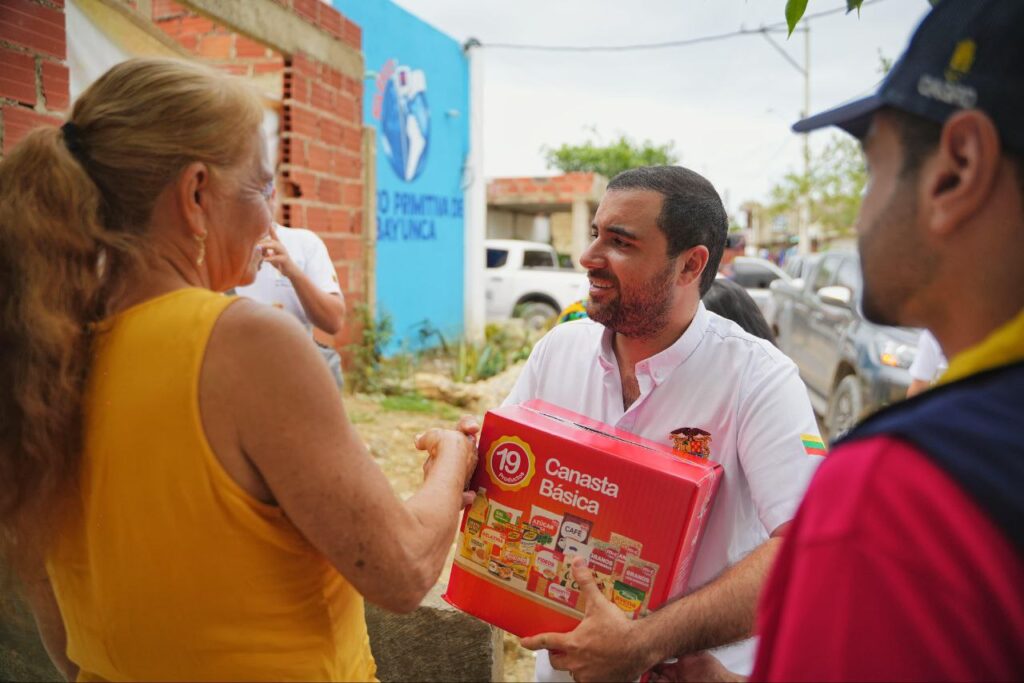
461 442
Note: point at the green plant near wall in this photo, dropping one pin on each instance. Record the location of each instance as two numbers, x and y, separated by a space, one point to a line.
368 372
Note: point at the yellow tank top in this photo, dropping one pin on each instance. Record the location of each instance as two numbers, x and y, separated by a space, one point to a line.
167 569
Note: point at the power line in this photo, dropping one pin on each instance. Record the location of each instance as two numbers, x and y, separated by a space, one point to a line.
770 28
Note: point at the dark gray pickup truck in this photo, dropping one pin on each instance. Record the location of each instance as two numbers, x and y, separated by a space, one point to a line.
852 367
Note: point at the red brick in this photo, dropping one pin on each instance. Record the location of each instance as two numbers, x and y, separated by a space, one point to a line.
305 183
301 121
331 131
331 21
349 86
275 66
323 97
293 151
55 86
215 47
19 121
167 8
307 9
318 219
193 23
245 47
346 108
328 191
18 76
352 194
236 69
320 158
296 214
348 167
344 248
34 26
352 34
352 139
303 64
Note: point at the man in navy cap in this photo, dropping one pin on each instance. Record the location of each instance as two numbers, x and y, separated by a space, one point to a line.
906 559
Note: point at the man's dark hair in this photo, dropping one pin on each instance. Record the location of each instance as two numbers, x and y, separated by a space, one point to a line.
920 137
691 211
729 300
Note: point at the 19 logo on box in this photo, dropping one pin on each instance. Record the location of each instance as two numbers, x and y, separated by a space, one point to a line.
510 463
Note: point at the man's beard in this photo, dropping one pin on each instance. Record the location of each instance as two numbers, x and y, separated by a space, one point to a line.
640 311
893 261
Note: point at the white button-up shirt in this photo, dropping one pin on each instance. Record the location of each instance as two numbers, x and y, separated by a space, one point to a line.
741 389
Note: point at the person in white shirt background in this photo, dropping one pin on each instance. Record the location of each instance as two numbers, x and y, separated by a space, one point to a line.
297 276
928 364
651 359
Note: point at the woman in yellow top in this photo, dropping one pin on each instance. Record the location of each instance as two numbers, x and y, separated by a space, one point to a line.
182 492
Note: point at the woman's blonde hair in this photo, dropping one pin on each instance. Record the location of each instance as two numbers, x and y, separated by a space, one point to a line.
75 205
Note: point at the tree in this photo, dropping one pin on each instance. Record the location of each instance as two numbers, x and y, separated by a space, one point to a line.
834 185
611 159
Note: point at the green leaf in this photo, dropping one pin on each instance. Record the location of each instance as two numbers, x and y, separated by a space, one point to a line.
853 5
794 11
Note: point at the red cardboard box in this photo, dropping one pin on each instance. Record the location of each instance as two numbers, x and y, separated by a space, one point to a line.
553 485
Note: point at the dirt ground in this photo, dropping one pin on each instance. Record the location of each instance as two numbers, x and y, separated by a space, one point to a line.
388 426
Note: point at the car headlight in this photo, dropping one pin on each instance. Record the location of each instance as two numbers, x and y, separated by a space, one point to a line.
896 355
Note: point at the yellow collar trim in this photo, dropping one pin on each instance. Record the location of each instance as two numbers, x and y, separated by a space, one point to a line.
1002 347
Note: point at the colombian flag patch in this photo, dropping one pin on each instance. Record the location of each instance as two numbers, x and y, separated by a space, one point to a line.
813 444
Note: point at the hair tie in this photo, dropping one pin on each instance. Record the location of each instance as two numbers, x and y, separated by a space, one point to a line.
73 140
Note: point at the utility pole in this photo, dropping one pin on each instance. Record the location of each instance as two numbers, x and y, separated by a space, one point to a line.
804 210
804 245
475 214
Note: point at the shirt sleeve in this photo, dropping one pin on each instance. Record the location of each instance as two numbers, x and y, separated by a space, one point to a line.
928 358
778 442
319 268
527 386
890 573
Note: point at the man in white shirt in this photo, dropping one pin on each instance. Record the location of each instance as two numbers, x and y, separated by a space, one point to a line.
297 276
929 363
650 360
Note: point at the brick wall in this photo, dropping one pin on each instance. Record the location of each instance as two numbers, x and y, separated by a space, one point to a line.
33 70
560 189
321 163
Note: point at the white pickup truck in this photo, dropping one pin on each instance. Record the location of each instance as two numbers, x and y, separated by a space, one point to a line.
525 281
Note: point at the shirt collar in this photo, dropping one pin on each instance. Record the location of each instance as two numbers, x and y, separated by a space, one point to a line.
1004 346
660 365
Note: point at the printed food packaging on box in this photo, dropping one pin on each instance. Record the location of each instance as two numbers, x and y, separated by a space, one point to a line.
553 485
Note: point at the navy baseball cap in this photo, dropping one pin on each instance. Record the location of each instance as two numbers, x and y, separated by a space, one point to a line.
966 54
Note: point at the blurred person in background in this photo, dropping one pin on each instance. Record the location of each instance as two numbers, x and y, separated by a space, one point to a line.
929 363
297 276
178 503
729 300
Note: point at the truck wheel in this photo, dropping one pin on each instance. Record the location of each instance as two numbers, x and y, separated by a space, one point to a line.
536 314
844 407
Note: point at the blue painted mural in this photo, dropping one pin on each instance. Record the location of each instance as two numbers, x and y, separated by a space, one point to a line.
416 95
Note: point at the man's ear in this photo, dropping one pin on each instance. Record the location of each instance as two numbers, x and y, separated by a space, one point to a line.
960 177
691 264
193 197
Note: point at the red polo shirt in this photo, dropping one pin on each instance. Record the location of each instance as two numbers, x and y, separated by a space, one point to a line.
890 572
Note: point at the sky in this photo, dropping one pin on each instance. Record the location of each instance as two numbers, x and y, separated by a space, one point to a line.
727 105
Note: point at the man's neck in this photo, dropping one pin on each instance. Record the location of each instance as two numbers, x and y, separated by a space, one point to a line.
631 350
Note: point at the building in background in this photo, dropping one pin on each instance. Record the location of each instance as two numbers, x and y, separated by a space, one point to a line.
416 97
556 209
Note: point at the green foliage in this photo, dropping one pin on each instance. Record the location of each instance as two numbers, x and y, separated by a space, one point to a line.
414 403
504 345
794 11
370 371
609 159
834 185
